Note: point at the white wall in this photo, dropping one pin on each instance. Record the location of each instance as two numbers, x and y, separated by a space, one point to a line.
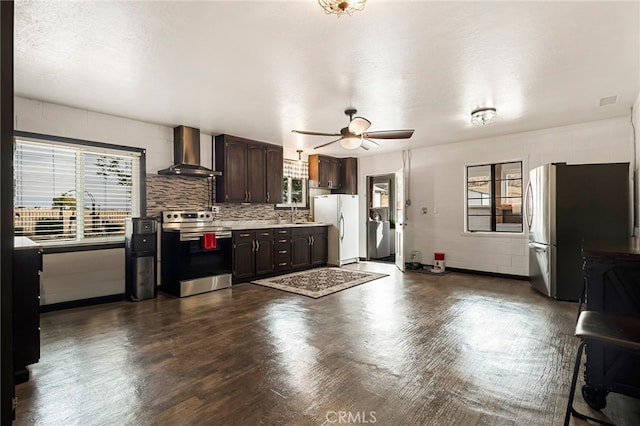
437 182
57 120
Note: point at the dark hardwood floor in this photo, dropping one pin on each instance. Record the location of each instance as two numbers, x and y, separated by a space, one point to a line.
407 349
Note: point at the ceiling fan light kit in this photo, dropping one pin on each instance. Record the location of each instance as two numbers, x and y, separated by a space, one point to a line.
351 142
351 137
340 7
483 116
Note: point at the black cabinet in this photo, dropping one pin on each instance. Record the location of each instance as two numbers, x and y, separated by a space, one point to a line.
251 171
252 254
612 280
27 264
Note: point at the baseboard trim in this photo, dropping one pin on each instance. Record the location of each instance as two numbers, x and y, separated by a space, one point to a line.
484 273
82 302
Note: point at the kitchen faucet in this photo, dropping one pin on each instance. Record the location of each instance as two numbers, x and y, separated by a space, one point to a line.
293 210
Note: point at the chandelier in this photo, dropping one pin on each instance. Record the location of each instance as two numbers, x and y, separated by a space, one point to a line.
482 116
340 7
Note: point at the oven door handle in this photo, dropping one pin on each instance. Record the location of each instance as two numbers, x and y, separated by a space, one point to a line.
194 236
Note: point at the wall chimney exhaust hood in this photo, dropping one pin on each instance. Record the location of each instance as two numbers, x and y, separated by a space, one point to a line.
186 154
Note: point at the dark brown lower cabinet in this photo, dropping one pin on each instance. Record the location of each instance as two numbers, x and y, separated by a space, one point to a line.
252 254
282 249
309 246
300 253
267 252
244 261
27 265
319 245
264 251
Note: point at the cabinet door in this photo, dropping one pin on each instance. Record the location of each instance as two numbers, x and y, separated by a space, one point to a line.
274 174
349 175
243 254
235 172
300 250
336 172
324 172
256 173
319 245
264 252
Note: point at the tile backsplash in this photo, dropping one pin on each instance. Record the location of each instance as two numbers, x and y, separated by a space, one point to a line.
192 193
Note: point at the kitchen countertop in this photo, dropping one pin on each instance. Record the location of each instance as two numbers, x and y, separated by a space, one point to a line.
241 225
24 243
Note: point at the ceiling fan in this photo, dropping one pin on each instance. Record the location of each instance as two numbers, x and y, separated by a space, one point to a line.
355 135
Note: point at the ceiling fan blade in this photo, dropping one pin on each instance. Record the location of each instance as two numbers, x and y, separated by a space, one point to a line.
364 147
359 125
389 134
325 144
371 141
304 132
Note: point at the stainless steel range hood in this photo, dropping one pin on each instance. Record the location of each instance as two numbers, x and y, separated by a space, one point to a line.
186 154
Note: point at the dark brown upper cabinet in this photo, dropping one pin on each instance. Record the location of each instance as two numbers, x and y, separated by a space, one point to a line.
349 182
324 172
251 171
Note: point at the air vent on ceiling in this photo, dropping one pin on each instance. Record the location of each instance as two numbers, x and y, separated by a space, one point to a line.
609 100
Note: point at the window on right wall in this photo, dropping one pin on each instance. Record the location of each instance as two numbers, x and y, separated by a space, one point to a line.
494 197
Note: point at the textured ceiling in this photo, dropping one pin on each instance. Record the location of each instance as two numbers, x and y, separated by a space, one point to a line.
261 69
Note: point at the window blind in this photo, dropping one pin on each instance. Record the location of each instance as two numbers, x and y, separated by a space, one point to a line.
295 169
69 192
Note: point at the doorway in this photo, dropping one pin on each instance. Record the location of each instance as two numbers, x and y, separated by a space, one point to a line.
380 218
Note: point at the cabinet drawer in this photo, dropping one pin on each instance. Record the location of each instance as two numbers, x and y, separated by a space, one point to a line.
264 233
281 262
244 236
282 242
281 232
283 250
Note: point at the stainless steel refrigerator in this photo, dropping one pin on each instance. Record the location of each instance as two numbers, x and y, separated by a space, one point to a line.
564 206
341 213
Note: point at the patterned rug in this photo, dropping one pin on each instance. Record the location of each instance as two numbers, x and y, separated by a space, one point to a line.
320 281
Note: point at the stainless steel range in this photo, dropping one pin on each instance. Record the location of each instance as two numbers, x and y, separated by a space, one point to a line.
195 254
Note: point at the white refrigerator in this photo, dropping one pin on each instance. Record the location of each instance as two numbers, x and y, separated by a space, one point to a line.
340 212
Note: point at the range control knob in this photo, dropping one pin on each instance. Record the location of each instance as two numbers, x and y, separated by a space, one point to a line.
175 216
168 216
208 215
201 215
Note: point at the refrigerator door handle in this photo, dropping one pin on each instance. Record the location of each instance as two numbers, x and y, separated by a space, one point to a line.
341 227
528 212
539 247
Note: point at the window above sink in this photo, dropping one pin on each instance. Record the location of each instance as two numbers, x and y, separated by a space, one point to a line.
295 185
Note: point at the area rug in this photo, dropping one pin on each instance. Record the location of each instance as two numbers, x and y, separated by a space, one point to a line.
320 281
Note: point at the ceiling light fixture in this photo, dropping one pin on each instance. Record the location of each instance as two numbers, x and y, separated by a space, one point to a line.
351 142
483 116
340 7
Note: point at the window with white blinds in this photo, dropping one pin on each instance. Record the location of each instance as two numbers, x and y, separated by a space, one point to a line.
71 192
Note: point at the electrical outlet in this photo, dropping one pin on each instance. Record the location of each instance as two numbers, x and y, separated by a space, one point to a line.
215 209
424 210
